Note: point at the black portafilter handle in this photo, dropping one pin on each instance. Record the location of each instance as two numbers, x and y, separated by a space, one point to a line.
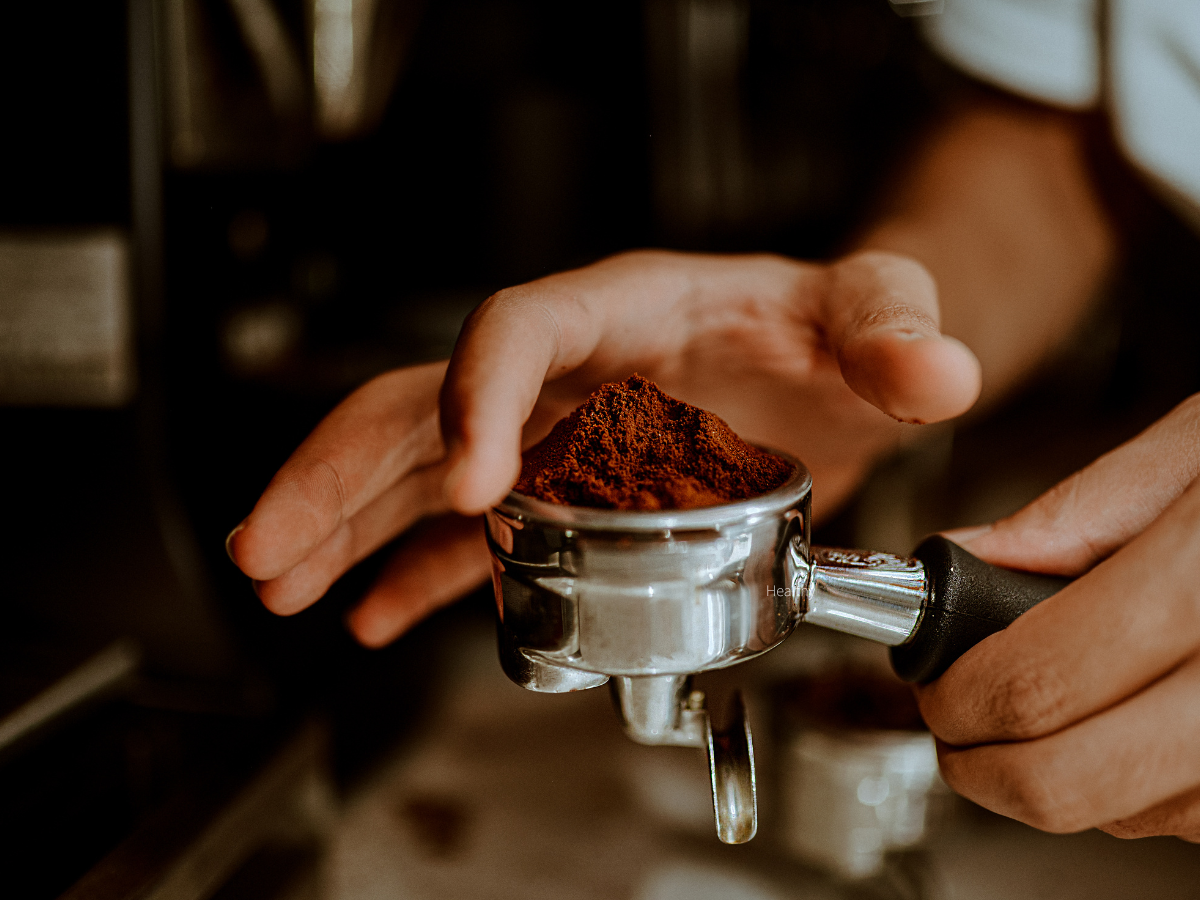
968 600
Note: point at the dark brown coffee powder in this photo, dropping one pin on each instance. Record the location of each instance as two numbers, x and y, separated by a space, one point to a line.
630 446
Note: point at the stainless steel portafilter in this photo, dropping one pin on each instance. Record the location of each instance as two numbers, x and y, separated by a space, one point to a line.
644 600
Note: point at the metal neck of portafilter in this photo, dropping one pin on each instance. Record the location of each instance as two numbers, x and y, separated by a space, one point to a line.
930 609
872 595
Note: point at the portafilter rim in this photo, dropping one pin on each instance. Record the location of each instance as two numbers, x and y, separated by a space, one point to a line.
705 518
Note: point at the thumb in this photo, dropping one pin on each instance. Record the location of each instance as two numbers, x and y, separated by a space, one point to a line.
1099 509
881 316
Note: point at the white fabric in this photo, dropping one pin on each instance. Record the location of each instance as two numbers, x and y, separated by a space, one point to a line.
1155 61
1044 49
1049 50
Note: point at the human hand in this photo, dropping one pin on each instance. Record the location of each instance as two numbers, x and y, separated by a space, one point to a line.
824 361
1085 712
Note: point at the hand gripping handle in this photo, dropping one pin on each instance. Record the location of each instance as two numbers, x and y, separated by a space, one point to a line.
968 600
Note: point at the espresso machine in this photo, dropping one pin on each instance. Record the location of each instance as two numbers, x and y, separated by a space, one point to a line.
645 600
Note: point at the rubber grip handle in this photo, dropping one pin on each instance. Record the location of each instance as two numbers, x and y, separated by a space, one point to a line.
968 600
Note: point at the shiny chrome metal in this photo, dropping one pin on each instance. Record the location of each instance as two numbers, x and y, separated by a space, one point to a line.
873 595
849 797
614 592
660 709
663 710
648 599
734 787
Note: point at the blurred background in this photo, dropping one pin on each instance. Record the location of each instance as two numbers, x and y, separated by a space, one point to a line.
220 216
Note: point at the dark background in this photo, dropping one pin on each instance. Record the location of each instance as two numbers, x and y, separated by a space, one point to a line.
522 137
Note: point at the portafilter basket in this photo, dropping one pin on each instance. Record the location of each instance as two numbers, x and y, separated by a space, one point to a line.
647 599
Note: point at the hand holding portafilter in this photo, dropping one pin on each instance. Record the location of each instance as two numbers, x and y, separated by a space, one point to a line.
650 598
853 345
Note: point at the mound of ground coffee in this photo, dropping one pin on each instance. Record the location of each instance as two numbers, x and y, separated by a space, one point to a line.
630 446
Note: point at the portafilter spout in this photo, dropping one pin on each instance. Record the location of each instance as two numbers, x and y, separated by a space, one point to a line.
648 599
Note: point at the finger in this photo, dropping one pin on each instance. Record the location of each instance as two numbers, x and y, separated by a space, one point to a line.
516 341
1179 816
1106 768
1089 515
881 312
631 311
1102 638
485 401
413 498
382 431
441 563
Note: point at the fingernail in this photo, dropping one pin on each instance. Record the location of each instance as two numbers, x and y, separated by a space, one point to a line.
966 535
908 334
229 540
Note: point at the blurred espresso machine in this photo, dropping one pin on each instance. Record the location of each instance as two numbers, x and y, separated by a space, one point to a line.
220 216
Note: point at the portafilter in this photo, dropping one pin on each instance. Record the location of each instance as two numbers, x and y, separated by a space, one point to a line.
646 599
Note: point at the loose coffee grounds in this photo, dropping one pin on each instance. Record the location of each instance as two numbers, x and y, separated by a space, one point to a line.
630 446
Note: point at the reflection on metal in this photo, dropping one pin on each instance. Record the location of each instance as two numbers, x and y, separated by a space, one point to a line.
334 23
219 118
663 710
276 58
873 595
215 116
358 47
697 50
850 797
103 673
66 333
660 710
649 598
734 786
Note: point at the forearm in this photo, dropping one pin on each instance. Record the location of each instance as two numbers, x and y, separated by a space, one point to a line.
1000 207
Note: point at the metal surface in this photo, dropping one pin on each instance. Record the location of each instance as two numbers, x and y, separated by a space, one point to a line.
664 710
852 796
660 709
650 598
66 318
873 595
99 676
613 592
734 787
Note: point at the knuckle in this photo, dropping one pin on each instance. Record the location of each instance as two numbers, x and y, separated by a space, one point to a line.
1036 793
1028 703
523 305
503 299
1048 809
498 301
502 305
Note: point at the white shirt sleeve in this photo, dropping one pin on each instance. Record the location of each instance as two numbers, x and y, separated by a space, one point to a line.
1050 51
1155 64
1046 50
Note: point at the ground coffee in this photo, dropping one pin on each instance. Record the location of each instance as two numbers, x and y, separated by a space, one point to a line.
630 446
